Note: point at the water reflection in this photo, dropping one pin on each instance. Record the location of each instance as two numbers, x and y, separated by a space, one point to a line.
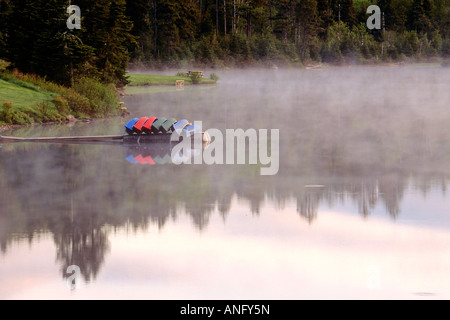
351 150
75 191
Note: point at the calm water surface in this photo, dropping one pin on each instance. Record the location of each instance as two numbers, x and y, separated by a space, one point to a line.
360 206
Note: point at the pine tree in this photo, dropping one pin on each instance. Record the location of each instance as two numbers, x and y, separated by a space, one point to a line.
348 12
441 16
177 23
306 15
5 11
40 42
35 40
388 10
285 19
140 12
106 28
324 13
419 18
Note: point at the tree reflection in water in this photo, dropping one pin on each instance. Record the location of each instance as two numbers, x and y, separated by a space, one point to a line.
75 192
364 152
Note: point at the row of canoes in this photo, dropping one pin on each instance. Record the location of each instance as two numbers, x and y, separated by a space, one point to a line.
161 125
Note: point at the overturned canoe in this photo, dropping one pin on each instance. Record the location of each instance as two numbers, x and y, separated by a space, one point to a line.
156 125
167 126
139 124
147 127
129 126
180 125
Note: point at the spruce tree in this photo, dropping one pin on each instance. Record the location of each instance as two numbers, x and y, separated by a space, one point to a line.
419 18
5 11
106 28
34 38
306 15
39 41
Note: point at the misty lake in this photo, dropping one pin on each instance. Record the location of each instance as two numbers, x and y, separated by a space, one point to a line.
359 208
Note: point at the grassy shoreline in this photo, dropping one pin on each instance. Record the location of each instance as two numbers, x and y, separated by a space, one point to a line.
26 99
141 79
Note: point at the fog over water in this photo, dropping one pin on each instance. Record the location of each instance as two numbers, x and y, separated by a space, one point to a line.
364 167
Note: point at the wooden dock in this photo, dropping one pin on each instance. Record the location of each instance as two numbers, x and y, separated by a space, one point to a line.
128 139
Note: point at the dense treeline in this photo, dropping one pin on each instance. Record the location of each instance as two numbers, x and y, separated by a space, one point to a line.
239 32
35 39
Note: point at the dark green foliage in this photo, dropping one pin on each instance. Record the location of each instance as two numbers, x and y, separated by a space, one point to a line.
210 33
106 29
9 114
182 74
102 99
240 46
419 18
188 33
87 98
5 12
48 112
214 77
4 65
347 12
39 42
307 18
61 105
196 78
33 37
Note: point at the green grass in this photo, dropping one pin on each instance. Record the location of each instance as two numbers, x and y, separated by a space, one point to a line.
24 103
22 97
27 98
153 80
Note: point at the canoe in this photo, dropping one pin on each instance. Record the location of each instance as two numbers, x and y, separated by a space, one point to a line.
167 126
180 125
147 127
156 125
139 124
190 130
153 125
130 125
